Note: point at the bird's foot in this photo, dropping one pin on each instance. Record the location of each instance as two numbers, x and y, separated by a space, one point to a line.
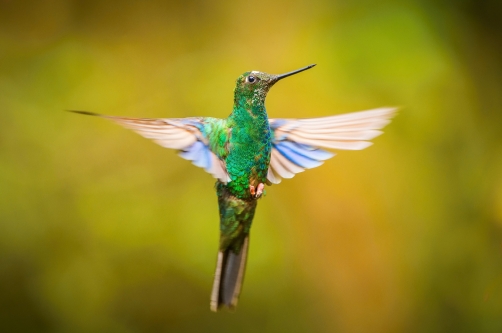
259 190
256 191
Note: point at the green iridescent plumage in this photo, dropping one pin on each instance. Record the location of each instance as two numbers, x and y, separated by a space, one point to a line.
248 150
250 141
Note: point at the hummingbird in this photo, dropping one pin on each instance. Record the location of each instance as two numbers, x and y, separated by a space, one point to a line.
247 151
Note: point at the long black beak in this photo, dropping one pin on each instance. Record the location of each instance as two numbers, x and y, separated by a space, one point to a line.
282 76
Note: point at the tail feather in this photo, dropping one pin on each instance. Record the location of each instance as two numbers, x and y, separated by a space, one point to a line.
228 277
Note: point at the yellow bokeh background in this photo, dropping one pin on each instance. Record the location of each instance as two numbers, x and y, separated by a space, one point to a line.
104 231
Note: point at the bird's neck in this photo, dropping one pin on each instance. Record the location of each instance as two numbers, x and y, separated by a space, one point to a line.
249 109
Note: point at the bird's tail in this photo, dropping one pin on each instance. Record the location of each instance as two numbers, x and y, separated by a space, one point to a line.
229 276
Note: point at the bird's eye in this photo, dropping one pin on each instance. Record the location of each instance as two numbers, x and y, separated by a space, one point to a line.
251 79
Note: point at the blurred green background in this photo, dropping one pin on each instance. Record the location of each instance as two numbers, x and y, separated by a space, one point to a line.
104 231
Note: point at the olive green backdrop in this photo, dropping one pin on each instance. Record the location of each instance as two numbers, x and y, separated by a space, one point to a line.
104 231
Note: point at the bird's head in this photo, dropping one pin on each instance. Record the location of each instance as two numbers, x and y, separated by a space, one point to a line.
253 86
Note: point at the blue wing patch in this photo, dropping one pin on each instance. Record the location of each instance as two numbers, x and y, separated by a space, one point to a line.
303 155
199 154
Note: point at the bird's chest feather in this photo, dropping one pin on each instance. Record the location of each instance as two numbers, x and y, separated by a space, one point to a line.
249 157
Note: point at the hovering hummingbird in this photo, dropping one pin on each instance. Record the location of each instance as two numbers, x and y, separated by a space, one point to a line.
247 151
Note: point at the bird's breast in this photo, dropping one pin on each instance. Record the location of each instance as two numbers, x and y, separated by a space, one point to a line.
248 158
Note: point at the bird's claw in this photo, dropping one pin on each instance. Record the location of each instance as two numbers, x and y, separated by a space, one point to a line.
258 191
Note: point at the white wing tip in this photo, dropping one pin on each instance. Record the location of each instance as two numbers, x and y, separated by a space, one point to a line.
390 110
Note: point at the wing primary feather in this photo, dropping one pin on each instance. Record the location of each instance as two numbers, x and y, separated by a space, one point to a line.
87 113
308 151
344 145
385 112
297 158
277 166
176 144
352 135
272 177
192 152
287 164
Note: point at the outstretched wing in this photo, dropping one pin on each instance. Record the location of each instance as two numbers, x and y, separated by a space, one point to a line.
296 142
189 135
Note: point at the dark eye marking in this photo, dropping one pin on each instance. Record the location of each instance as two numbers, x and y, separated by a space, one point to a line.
251 79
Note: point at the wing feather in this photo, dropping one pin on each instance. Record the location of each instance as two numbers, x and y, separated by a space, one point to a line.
187 135
296 142
276 163
289 166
